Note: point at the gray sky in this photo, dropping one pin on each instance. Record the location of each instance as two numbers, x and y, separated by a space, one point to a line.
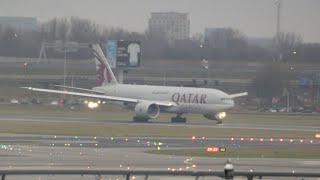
255 18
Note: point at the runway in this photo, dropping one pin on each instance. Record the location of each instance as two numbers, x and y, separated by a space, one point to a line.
128 152
51 151
145 142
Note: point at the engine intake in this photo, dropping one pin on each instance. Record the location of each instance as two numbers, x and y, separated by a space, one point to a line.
147 110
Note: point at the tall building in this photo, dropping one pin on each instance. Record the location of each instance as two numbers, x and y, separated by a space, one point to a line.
19 23
172 25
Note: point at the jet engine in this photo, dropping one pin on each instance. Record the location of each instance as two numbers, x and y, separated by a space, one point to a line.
147 110
218 116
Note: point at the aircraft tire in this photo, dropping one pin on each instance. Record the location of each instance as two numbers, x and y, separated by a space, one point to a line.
140 119
219 122
178 120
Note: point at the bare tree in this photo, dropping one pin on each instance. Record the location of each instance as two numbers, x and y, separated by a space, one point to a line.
287 44
10 42
62 29
83 30
225 42
48 30
271 82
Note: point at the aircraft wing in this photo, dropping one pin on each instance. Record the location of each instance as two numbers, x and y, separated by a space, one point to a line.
112 98
238 95
81 89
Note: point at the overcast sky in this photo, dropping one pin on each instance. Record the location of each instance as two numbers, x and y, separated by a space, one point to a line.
255 18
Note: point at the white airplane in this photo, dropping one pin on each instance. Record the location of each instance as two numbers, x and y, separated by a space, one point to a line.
148 101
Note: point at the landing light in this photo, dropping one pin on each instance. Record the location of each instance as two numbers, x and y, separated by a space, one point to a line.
222 115
93 105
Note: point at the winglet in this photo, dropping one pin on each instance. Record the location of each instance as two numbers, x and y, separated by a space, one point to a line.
238 95
30 88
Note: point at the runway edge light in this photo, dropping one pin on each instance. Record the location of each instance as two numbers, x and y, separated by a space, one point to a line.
223 149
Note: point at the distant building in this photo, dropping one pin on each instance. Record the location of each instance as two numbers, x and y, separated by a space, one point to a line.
19 23
173 25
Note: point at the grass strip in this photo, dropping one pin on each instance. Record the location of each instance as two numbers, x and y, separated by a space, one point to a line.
111 113
109 129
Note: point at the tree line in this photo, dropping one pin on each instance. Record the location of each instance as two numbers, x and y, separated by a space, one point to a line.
222 44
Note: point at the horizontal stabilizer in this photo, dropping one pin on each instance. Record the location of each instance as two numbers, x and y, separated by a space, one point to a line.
238 95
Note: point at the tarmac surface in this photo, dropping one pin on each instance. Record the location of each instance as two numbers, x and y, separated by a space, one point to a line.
84 152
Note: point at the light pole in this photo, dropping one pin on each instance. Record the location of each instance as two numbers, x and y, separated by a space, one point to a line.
65 47
279 55
205 64
64 65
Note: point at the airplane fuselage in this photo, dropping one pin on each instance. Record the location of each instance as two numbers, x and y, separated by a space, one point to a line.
187 99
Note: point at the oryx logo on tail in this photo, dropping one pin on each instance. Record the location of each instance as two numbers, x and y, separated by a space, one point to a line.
104 73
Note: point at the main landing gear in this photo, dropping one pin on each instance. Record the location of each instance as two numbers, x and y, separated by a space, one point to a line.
140 119
178 119
219 122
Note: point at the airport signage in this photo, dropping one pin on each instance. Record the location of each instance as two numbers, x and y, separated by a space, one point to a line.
123 53
216 149
111 52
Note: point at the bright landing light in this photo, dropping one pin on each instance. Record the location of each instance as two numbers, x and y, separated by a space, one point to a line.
222 115
93 105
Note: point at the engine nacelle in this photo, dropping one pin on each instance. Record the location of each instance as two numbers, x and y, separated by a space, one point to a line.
147 110
218 116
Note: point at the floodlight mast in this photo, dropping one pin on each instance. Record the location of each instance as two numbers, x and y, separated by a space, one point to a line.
62 47
278 24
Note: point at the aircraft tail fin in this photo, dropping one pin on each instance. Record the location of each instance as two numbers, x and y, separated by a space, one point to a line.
105 75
